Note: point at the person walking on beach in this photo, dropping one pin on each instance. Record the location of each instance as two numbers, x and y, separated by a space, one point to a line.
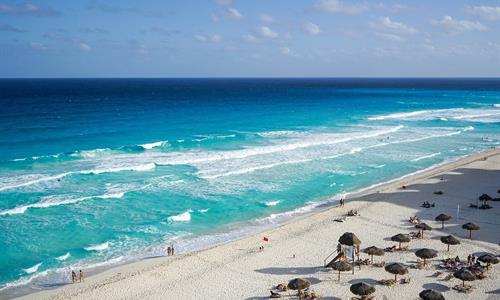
81 276
73 276
172 250
169 251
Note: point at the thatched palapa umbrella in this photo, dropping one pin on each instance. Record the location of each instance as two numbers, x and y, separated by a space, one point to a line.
431 295
470 227
362 289
341 266
488 259
298 284
374 251
396 269
350 239
423 227
485 197
464 275
449 240
442 218
425 254
400 238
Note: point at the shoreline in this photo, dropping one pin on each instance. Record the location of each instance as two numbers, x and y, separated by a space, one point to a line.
123 272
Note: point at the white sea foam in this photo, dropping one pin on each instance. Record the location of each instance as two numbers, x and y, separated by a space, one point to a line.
203 157
280 217
403 115
426 156
149 146
97 247
201 138
496 105
478 115
32 269
278 133
139 168
91 153
246 170
183 217
41 178
271 203
56 200
377 166
63 257
204 210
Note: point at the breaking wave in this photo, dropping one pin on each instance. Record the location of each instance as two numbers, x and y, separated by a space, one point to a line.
184 217
456 114
32 269
97 247
50 201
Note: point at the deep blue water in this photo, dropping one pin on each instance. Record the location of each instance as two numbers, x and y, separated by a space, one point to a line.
96 172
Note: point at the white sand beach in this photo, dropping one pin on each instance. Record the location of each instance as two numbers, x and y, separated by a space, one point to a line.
237 270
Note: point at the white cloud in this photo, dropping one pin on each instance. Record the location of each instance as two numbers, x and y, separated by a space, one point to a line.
211 38
337 6
251 38
491 13
390 37
311 28
266 32
288 51
234 14
224 2
459 26
266 18
397 27
38 46
84 47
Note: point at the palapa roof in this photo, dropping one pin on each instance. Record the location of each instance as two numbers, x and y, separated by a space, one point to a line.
471 226
426 253
372 250
431 295
464 275
485 197
401 238
396 268
362 289
450 240
341 265
299 284
488 258
442 217
423 226
349 239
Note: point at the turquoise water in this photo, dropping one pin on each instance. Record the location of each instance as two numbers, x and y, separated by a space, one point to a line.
95 173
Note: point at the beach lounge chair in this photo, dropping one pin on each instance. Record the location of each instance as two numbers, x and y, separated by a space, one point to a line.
275 295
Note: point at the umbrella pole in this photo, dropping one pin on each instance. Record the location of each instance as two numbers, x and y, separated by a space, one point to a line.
396 277
372 258
339 275
353 262
448 247
470 234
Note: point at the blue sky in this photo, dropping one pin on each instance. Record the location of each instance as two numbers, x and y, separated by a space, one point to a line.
257 38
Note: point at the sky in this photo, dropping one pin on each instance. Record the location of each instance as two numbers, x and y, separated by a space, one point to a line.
249 38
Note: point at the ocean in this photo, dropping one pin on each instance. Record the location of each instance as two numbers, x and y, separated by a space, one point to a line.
100 172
